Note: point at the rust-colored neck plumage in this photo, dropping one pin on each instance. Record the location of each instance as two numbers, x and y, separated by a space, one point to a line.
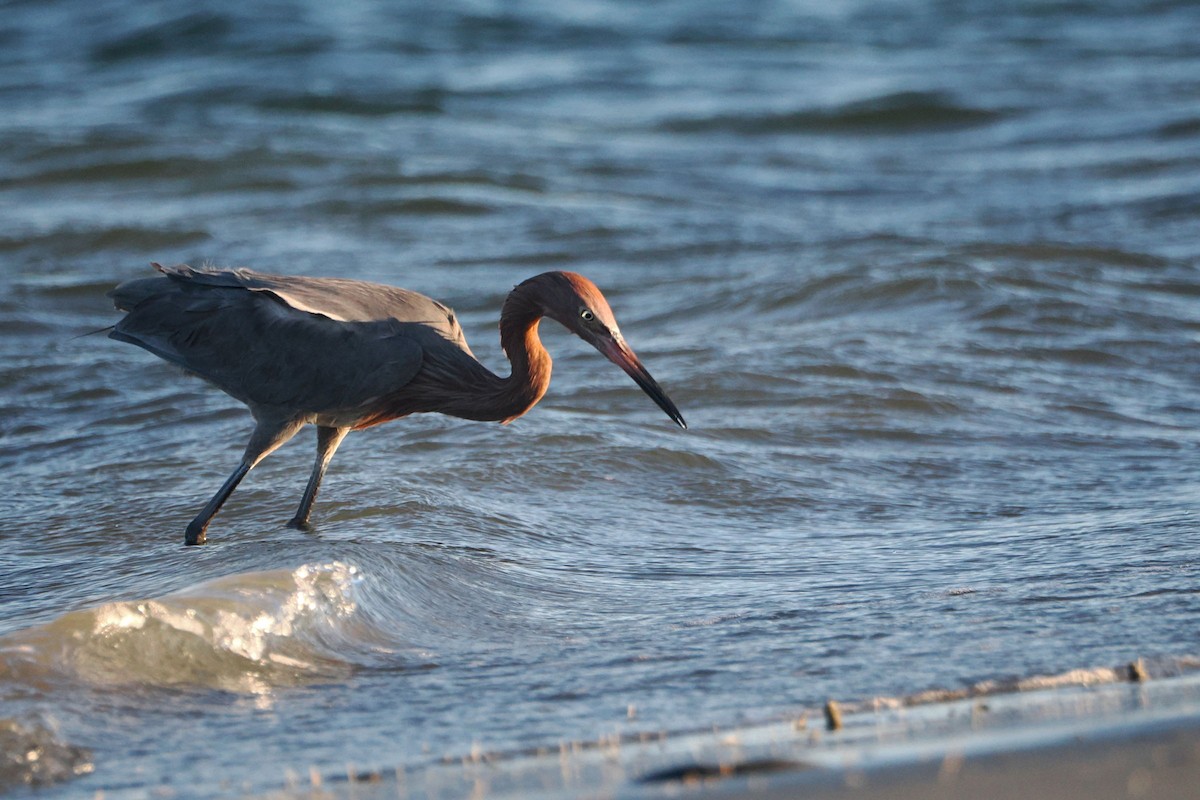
531 363
452 382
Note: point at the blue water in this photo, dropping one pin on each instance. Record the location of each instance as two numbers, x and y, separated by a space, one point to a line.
922 278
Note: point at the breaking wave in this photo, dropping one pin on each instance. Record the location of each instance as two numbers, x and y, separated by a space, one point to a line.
255 631
240 633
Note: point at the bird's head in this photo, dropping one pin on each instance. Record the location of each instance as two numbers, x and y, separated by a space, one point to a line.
576 303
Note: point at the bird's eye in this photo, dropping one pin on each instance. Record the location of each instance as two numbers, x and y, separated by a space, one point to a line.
586 315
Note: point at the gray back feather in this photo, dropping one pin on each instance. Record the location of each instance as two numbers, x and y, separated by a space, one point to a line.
315 345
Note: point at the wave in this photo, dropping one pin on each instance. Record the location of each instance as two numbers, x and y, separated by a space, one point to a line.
253 632
1039 286
428 100
190 33
70 240
900 112
244 633
411 206
1136 671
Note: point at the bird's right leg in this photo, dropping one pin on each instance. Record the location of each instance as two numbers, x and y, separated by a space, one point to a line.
328 440
268 435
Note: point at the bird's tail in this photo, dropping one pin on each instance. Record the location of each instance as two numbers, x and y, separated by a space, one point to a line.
92 333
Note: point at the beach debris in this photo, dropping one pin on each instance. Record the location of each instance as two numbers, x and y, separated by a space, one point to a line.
703 773
32 754
951 764
833 715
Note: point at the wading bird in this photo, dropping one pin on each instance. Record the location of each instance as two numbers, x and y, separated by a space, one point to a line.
345 354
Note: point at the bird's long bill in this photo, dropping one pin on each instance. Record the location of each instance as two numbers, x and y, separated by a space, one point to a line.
619 353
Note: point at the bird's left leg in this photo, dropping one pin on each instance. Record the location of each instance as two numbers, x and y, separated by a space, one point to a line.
328 440
269 433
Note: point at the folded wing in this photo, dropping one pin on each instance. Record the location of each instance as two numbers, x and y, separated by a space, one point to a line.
311 344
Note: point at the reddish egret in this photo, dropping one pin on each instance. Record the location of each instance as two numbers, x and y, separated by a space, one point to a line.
344 354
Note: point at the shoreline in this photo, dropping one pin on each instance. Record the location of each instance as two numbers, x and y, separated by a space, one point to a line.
1083 734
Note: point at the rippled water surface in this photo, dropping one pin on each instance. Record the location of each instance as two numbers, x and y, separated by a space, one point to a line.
923 278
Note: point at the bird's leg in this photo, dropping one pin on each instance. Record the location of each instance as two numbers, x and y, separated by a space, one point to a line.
328 440
268 435
197 527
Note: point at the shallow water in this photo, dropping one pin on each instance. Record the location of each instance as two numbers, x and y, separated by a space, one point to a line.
922 278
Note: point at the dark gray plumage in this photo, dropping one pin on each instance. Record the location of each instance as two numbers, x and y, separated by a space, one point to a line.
345 354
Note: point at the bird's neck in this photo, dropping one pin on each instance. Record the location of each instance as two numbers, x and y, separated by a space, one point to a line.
530 362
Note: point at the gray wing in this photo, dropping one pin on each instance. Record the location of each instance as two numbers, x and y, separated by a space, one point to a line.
338 299
308 344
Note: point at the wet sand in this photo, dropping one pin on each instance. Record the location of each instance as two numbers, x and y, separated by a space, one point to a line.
1085 734
1157 761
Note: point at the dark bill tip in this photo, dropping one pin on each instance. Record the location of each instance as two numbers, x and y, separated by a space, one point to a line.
624 358
650 386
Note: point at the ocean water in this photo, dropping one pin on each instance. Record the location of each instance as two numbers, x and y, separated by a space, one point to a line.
924 279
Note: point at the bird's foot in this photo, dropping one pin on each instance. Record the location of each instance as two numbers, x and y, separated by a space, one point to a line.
299 524
196 534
